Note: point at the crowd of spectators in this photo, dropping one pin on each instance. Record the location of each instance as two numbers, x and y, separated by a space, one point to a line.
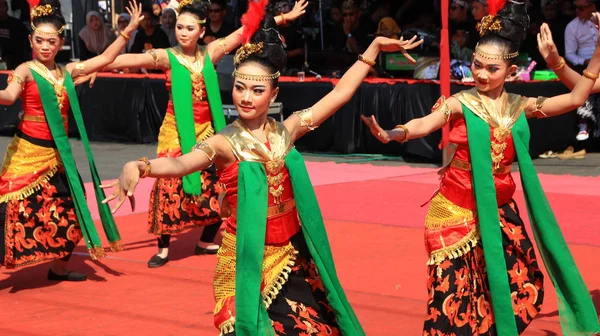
348 28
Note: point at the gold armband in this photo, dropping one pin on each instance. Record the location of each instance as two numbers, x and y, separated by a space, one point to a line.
80 66
406 133
306 119
13 77
223 45
206 149
154 56
442 107
125 36
539 103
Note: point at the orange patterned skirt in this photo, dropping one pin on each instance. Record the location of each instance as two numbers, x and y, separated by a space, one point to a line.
459 298
172 211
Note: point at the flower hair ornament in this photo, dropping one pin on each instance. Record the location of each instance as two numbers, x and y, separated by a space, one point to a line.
490 22
38 11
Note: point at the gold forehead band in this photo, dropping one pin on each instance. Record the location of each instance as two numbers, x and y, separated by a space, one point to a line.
258 78
48 34
190 20
502 57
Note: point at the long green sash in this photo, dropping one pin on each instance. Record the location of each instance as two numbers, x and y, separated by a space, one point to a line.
577 313
251 316
181 90
59 134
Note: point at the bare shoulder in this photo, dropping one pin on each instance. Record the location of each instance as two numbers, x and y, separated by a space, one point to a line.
23 71
454 104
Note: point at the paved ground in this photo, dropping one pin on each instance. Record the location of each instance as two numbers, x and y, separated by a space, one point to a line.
110 157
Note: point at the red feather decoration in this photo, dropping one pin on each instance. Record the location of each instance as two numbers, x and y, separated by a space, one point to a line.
252 18
494 6
33 3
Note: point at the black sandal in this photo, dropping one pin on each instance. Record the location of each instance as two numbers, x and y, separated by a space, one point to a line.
156 261
71 276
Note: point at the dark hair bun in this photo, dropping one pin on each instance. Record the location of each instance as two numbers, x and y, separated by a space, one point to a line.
273 52
197 8
515 22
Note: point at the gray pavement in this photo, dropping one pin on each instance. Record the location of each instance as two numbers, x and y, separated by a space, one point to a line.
110 158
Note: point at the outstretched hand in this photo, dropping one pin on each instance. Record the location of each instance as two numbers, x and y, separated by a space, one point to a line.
135 11
124 187
375 129
84 78
298 10
546 45
392 45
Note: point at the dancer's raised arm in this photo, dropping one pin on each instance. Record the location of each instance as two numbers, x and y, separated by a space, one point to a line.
299 123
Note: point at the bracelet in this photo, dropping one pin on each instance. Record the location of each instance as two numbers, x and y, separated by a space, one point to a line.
147 168
406 133
125 36
561 64
283 20
590 75
366 60
223 45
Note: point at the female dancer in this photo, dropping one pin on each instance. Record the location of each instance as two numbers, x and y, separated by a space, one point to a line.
43 211
193 114
273 275
484 277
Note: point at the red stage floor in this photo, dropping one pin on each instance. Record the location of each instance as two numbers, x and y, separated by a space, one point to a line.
375 228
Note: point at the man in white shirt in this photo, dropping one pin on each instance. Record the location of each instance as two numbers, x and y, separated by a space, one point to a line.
581 34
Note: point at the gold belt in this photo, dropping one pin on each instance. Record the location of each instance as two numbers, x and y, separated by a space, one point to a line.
464 165
34 118
273 210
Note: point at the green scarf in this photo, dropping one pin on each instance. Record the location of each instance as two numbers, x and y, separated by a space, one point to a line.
577 313
181 89
251 316
59 134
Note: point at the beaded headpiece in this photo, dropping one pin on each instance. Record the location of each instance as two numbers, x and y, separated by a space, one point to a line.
502 57
43 10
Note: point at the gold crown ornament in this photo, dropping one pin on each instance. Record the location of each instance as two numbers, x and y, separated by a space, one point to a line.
488 23
42 10
184 3
348 5
246 51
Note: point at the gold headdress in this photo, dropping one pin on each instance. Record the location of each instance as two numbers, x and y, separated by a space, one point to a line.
184 3
44 10
488 23
246 51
